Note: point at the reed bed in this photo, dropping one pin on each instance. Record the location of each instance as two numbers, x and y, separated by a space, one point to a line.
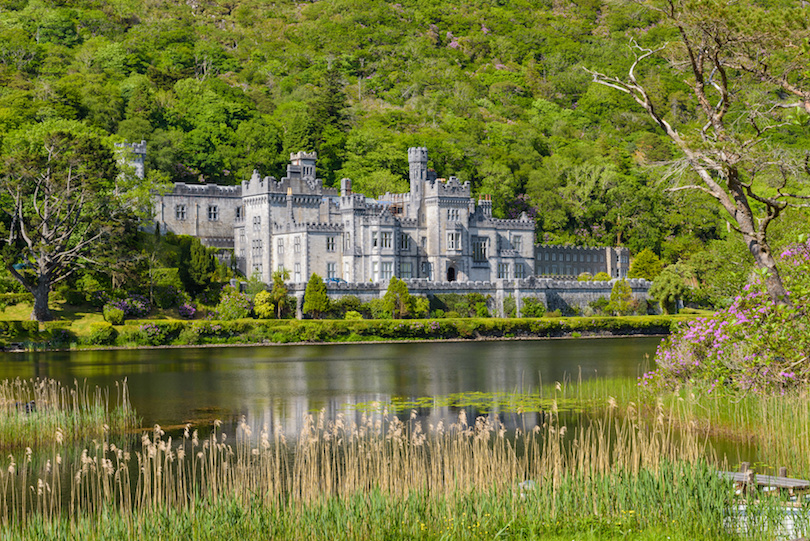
37 411
382 477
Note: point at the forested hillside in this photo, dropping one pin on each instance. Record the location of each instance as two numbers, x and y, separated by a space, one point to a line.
495 90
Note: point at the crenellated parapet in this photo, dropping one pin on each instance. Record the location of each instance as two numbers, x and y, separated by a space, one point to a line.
315 227
451 187
205 190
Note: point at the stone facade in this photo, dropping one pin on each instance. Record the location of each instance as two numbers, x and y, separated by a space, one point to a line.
436 232
551 260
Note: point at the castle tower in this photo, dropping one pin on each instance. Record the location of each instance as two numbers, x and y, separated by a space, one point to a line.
303 163
417 162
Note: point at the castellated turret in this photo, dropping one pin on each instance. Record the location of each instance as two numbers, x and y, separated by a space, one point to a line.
417 162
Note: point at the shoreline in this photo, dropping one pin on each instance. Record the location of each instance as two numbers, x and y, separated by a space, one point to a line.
567 336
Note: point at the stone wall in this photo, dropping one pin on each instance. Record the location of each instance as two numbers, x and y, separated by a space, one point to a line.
563 295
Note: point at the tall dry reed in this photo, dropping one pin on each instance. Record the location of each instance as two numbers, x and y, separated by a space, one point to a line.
32 410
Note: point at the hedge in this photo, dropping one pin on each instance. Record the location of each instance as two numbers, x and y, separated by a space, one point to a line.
256 331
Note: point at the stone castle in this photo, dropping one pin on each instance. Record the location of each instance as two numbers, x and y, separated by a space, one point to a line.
436 232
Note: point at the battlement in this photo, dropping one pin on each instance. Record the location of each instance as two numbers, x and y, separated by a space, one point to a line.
507 224
317 227
297 157
418 154
205 190
571 248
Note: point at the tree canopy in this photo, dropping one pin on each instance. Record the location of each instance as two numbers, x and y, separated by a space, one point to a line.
57 183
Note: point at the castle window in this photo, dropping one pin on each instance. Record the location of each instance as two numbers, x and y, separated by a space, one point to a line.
242 237
503 270
404 242
588 258
520 270
347 241
238 213
297 245
453 215
330 244
347 267
554 257
386 239
426 269
331 270
517 242
298 272
387 270
479 249
406 270
375 271
568 257
180 213
280 248
257 223
374 240
454 241
213 213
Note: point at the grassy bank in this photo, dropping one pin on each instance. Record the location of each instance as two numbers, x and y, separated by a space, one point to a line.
155 332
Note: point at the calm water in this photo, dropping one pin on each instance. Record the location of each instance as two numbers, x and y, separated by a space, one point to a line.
279 384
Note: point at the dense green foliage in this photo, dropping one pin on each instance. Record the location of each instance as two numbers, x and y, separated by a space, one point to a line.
498 95
316 302
496 92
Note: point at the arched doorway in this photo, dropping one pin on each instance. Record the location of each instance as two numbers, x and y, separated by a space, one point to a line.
451 274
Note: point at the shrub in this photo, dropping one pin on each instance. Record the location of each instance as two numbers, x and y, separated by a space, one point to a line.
233 304
73 297
584 277
101 334
113 315
554 313
600 306
186 310
532 308
353 315
602 277
169 296
99 298
263 305
151 334
481 310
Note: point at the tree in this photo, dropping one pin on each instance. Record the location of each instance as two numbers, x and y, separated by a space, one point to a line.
196 265
645 265
397 299
670 286
59 182
621 299
279 292
742 63
316 302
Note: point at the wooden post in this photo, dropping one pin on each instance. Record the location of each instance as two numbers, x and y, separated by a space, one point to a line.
744 466
783 472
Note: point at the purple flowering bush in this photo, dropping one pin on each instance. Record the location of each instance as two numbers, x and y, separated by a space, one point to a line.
187 310
754 345
151 334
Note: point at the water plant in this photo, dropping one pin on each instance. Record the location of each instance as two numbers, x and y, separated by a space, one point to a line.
33 411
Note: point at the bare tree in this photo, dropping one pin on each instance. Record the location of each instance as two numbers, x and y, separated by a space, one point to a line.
741 64
58 186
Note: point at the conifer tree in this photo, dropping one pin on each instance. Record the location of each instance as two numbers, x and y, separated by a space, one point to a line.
316 302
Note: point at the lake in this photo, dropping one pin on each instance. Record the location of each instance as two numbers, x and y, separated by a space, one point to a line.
280 384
